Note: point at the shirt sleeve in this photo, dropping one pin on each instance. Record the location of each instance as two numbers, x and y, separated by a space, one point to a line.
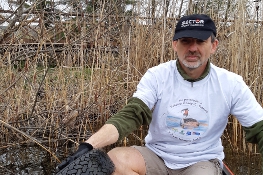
131 117
149 88
254 134
245 106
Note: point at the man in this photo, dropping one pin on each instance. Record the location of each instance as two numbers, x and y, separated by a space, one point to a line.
186 103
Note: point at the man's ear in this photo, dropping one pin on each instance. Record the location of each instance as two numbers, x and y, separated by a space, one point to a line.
214 46
175 45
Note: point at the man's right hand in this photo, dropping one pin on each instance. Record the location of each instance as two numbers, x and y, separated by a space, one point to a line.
83 148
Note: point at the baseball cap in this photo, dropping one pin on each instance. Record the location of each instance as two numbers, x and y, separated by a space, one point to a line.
199 26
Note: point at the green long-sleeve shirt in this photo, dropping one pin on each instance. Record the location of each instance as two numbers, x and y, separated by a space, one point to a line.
131 117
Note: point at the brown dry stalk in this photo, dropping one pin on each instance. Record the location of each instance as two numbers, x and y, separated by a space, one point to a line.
99 58
28 136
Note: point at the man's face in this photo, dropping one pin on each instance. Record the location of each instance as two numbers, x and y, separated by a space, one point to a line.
193 53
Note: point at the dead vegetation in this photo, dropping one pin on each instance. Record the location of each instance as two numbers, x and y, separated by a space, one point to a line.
62 79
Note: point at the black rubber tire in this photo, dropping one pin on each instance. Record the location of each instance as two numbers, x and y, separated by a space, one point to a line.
95 162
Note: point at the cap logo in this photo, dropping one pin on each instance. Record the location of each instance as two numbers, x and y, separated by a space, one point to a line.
192 23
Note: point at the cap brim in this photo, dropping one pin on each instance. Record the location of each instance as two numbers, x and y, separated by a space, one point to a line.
198 34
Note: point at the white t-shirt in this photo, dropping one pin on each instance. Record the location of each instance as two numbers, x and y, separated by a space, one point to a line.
190 117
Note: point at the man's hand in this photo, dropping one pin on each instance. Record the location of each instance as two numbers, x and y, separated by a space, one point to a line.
83 148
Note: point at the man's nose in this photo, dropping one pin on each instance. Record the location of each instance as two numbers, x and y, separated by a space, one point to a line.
193 46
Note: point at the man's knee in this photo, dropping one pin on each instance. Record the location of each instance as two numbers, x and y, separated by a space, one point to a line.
115 153
121 155
127 159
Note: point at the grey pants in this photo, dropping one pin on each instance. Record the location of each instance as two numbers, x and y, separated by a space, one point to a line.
155 165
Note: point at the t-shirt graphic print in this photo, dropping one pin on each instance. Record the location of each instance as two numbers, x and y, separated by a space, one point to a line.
187 120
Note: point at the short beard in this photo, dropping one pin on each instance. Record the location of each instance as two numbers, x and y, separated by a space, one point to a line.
192 67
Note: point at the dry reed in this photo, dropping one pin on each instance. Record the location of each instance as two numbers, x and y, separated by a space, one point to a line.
60 91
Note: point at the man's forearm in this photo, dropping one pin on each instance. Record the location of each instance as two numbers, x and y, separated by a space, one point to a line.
107 134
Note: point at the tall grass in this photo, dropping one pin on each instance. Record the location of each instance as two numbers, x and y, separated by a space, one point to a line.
56 95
